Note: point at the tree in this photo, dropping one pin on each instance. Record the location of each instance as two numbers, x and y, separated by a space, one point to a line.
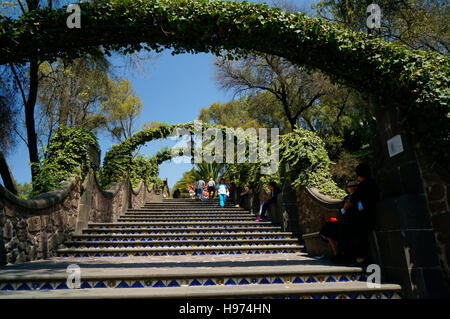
23 190
231 114
8 111
296 89
70 94
121 109
184 182
417 24
26 79
206 171
8 125
203 171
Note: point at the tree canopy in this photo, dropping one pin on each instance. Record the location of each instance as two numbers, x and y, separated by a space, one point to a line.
416 82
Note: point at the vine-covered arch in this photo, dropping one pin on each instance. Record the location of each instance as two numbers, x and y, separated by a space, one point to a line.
302 150
415 82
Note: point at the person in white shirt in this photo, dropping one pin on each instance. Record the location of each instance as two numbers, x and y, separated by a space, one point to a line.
211 188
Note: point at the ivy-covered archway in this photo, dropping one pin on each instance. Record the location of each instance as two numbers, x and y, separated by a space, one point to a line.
415 82
302 150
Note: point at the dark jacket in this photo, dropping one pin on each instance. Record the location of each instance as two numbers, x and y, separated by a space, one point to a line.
367 194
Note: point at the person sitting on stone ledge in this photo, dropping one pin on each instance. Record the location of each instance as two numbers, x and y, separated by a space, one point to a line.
332 230
271 200
244 194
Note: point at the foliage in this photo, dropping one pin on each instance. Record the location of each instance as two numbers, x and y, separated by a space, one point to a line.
8 113
66 157
418 24
231 114
118 159
206 171
291 89
23 190
416 82
333 146
200 171
308 162
69 95
121 108
344 169
183 184
142 169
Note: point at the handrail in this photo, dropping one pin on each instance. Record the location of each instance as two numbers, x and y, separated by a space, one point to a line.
324 200
49 199
137 189
41 201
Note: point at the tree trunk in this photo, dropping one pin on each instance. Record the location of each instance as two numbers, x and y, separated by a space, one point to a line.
29 118
7 177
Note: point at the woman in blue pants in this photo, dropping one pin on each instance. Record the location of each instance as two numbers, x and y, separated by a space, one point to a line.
222 192
274 191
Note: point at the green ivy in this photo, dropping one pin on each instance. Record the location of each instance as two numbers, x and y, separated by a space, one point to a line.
306 161
415 82
144 169
117 161
66 157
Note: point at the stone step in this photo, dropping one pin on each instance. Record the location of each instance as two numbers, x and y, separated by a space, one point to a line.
178 230
178 224
191 207
161 237
184 242
213 210
356 290
192 202
178 251
116 277
145 219
197 214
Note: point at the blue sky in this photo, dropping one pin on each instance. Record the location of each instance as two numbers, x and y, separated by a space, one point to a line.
173 89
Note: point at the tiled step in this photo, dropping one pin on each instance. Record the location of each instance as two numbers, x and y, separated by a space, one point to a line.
178 224
328 291
175 249
193 236
179 230
182 219
184 242
179 251
193 203
189 215
213 210
231 276
197 214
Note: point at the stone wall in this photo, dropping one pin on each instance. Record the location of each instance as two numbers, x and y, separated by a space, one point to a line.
37 228
314 209
438 195
305 207
139 195
412 232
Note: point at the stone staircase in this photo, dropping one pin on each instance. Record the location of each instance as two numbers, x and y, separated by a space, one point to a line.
184 248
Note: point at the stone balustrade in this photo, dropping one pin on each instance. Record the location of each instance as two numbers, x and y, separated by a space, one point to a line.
36 228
